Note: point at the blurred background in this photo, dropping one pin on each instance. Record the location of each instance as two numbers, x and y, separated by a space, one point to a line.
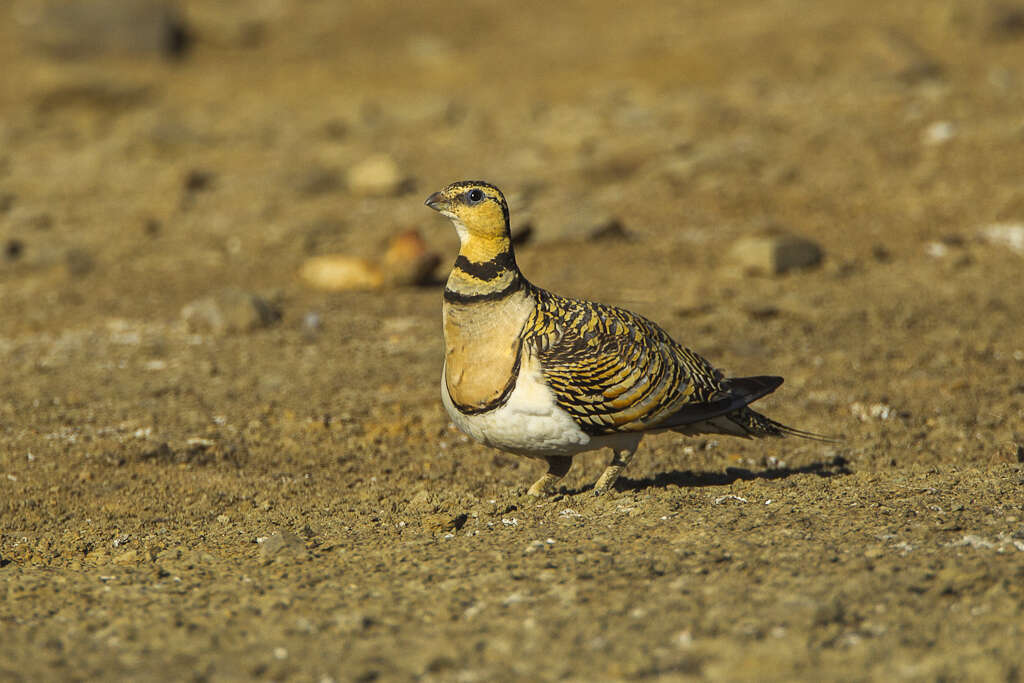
151 150
219 321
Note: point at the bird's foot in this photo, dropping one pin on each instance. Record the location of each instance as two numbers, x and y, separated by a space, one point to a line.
557 468
543 487
607 481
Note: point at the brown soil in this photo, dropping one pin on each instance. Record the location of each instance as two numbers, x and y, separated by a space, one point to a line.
290 502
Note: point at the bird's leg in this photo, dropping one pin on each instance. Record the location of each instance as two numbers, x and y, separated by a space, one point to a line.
620 459
557 467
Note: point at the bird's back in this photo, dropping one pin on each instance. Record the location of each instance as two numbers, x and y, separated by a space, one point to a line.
614 370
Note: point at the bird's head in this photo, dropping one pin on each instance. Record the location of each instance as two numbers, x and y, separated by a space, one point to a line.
477 209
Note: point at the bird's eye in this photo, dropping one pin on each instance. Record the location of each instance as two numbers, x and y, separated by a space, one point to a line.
475 196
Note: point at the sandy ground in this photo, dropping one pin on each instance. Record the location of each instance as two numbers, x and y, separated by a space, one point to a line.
289 501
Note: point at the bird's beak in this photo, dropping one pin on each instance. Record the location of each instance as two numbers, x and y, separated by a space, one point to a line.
437 202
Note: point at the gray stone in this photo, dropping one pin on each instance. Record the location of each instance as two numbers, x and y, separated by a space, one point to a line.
231 310
559 219
1006 21
73 29
283 545
773 254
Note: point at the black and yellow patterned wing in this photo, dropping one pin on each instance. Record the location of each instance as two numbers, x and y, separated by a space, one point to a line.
615 371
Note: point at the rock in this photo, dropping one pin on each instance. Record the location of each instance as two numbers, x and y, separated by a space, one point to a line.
312 323
559 219
1010 235
875 411
340 273
375 176
229 311
1006 21
773 254
408 260
612 231
71 29
939 132
283 545
936 249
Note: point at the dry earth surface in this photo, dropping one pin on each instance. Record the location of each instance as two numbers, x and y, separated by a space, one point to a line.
283 497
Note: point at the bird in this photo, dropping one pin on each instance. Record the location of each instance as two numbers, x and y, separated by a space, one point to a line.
536 374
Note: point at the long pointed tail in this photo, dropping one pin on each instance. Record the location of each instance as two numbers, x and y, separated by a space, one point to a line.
757 425
730 413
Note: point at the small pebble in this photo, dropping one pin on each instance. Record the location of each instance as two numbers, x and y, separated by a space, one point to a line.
311 322
72 29
875 411
282 544
339 273
1006 235
231 310
939 132
375 176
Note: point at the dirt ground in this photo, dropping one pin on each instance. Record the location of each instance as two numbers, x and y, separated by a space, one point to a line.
289 501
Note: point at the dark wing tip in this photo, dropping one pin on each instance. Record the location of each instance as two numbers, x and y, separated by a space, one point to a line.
752 388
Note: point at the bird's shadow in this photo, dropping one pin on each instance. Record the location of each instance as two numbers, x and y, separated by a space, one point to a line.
834 467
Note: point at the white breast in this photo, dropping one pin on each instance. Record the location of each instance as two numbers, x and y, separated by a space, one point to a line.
529 423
